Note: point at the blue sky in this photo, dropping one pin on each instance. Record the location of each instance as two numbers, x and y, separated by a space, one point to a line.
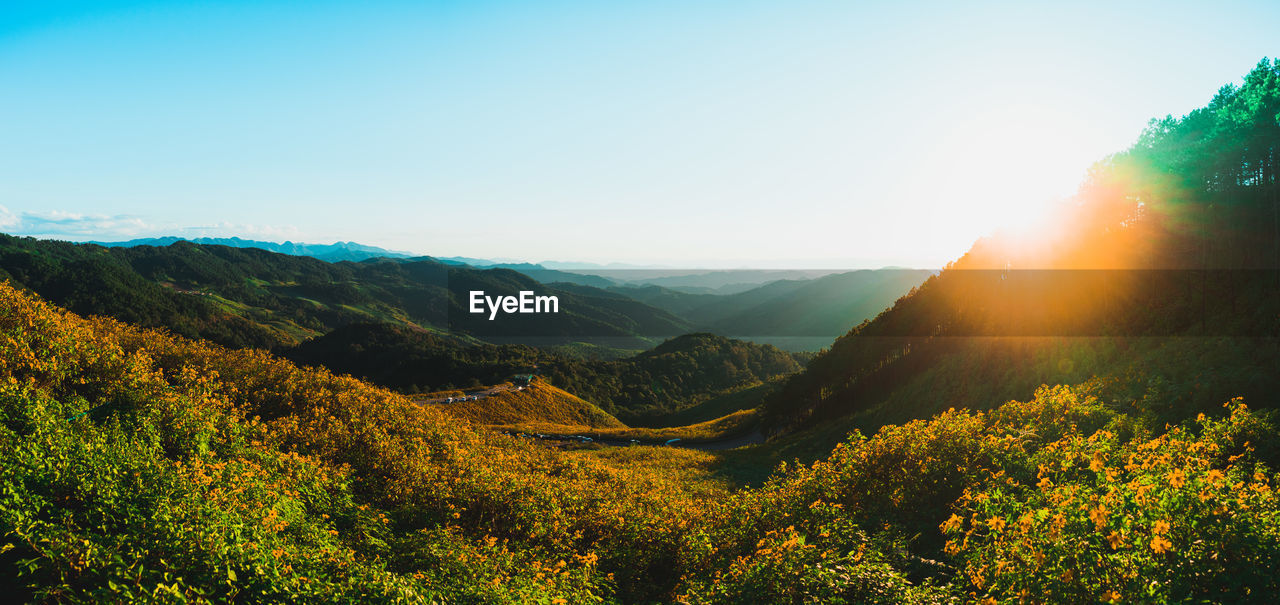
801 134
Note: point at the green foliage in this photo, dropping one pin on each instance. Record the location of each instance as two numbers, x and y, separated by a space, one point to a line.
1176 238
140 466
247 297
678 374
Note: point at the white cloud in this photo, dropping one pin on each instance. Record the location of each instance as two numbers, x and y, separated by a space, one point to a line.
244 230
70 224
59 224
8 220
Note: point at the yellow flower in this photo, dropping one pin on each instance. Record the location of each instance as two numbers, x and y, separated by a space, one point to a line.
1177 478
1160 544
1099 516
996 523
1161 527
952 524
1115 539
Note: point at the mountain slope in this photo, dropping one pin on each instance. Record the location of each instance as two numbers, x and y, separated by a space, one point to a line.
136 464
537 403
1168 250
252 297
335 252
678 374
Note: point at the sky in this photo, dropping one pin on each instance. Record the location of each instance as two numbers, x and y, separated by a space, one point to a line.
797 134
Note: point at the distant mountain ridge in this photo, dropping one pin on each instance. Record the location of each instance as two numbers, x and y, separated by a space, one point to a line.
335 252
249 297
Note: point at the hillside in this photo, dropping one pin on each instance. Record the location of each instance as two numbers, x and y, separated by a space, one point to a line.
539 402
138 466
335 252
679 374
249 297
1158 285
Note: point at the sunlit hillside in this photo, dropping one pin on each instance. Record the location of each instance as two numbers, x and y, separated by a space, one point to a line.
1157 284
138 466
537 402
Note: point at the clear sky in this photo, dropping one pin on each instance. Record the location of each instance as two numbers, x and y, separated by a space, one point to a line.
738 133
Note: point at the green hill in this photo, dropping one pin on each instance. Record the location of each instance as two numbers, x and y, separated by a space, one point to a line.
251 297
678 374
138 466
1159 286
537 403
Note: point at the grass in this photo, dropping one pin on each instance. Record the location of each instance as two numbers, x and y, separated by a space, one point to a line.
538 403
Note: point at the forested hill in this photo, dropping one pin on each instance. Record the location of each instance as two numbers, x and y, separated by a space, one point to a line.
245 297
335 252
673 376
1158 286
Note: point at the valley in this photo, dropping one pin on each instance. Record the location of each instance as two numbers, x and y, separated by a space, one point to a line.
1081 414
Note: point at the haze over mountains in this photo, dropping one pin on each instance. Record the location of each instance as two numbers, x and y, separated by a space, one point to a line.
335 252
244 295
1063 416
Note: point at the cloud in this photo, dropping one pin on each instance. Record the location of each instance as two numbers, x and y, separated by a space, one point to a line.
8 220
245 230
70 224
58 224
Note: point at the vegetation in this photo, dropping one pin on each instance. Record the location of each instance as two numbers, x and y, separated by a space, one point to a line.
823 307
733 428
538 402
142 466
247 297
680 374
1169 247
136 465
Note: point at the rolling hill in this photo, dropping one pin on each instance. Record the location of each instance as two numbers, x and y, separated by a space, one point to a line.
1158 288
644 388
537 403
252 297
335 252
823 307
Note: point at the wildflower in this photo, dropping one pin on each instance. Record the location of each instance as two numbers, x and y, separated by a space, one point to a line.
1161 527
1099 516
1176 477
1115 539
1161 544
996 523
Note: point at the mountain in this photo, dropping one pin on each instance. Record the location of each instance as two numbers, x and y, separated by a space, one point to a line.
251 297
678 374
696 281
550 276
1157 288
538 404
335 252
821 307
137 464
